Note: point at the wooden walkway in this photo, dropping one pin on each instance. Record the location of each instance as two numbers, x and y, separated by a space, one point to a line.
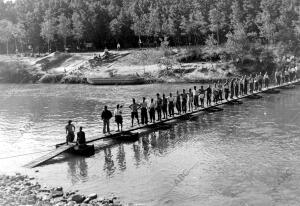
64 148
49 156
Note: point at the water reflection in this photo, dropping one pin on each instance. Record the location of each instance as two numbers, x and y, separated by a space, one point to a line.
109 166
137 155
77 169
121 157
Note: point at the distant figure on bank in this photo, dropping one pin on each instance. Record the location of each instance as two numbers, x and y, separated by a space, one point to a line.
144 111
171 105
118 46
158 106
70 129
152 111
106 116
134 111
81 137
118 117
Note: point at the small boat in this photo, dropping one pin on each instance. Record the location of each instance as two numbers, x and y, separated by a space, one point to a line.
290 86
254 96
185 117
82 150
297 83
233 102
127 137
214 109
160 126
271 91
116 80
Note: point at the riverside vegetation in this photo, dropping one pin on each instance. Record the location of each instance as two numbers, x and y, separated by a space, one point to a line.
229 37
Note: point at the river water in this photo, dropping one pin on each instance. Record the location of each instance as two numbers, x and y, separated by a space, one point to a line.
245 155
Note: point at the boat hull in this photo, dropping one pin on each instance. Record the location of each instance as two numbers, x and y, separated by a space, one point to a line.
82 150
115 81
127 137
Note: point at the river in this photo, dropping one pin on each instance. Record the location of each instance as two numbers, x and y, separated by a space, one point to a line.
245 155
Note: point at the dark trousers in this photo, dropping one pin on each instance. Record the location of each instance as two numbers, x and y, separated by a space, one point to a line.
231 92
165 111
245 88
171 108
158 110
251 87
184 106
144 116
241 89
152 114
202 102
278 80
178 107
266 83
226 93
106 126
220 95
208 99
196 101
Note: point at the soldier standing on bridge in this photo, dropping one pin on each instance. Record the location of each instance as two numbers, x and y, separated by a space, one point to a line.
70 129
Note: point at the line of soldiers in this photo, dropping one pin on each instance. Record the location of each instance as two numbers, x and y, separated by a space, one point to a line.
163 107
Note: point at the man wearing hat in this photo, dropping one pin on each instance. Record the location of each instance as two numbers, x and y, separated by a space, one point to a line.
70 129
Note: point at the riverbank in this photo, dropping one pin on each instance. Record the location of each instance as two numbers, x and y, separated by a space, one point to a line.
154 65
23 190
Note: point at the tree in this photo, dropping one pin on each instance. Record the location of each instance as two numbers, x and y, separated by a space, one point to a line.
19 34
217 20
238 43
236 16
6 30
115 27
48 29
267 27
64 28
78 28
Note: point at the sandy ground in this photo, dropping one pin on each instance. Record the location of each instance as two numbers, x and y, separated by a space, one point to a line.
121 63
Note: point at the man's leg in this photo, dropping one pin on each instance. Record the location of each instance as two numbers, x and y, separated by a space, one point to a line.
108 130
104 126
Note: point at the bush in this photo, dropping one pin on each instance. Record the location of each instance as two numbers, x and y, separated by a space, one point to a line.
51 78
70 79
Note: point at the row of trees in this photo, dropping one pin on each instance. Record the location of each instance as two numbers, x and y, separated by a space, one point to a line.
47 24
